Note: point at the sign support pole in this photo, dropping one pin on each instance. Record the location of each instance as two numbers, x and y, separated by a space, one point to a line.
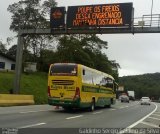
18 69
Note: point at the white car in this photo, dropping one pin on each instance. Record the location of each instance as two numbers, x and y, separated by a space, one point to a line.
124 98
145 101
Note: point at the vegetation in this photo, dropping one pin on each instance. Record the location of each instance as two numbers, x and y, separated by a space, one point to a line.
47 49
6 82
36 84
143 85
31 84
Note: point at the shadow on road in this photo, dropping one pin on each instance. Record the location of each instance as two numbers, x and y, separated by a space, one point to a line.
76 110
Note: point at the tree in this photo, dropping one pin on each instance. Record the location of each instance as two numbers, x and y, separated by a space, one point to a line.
70 49
143 85
49 57
26 15
32 14
12 51
115 66
86 49
3 48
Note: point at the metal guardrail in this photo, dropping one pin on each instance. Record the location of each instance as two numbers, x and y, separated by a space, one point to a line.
147 21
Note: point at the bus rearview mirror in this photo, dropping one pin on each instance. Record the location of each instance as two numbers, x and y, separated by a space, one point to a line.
83 72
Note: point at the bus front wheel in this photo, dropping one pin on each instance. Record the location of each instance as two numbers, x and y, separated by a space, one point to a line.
92 107
109 105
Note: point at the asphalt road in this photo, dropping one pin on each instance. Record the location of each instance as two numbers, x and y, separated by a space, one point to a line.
43 118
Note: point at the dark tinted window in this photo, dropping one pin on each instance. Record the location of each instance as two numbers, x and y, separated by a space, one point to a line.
12 66
2 65
64 70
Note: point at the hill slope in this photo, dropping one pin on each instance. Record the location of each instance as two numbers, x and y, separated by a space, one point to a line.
143 85
36 84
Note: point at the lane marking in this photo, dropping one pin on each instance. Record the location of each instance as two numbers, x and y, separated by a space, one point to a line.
150 124
25 112
154 118
32 125
134 124
126 106
112 109
73 117
121 107
156 114
97 112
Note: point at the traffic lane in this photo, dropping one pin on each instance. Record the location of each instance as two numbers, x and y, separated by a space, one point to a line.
120 104
19 109
40 116
44 122
40 108
63 119
17 120
103 118
57 118
27 118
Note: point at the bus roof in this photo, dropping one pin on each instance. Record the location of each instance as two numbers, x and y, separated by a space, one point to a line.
105 74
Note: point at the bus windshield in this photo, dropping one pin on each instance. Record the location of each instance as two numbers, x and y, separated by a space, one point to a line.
63 70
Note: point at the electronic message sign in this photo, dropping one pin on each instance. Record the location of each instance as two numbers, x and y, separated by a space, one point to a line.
57 17
106 15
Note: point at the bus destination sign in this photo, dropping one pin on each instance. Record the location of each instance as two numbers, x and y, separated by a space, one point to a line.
106 15
57 17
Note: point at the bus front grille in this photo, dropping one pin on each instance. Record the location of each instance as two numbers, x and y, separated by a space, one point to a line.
63 82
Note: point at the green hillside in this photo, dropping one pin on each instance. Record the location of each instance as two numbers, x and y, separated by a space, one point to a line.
143 85
36 84
31 84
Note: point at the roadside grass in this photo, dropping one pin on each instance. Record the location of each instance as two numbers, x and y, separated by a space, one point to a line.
31 84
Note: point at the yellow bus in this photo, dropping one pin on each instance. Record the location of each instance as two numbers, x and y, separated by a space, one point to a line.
73 85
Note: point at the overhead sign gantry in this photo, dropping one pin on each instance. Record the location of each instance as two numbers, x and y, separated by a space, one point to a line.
117 15
88 19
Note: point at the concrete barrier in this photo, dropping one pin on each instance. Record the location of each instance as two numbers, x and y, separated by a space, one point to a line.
16 99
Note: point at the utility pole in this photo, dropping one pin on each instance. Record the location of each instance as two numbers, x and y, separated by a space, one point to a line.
18 68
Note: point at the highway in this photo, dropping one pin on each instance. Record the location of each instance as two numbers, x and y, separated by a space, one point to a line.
30 119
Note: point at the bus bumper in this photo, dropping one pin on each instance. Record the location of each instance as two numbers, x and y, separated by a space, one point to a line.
64 103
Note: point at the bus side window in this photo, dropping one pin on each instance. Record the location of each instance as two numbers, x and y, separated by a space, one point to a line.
110 83
83 72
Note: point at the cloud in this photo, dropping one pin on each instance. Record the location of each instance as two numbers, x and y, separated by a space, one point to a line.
136 54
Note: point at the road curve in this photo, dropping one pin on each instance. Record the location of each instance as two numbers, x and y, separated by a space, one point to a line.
43 118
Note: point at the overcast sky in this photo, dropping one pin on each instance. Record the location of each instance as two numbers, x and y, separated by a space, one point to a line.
136 54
